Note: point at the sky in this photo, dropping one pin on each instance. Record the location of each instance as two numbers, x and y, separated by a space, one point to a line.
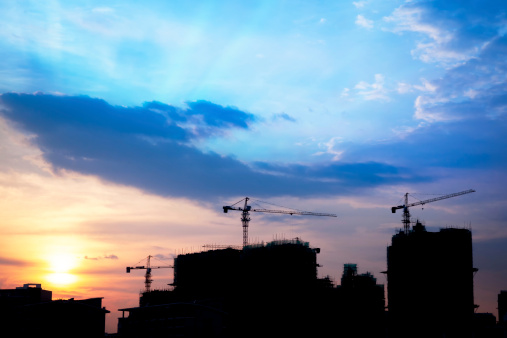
126 126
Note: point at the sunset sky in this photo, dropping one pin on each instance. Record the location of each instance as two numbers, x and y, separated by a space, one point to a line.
125 126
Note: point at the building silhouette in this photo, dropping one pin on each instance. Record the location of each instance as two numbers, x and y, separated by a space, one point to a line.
29 311
430 283
502 307
361 303
261 290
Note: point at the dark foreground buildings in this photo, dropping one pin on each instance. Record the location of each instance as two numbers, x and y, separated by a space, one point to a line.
29 311
430 283
260 291
273 290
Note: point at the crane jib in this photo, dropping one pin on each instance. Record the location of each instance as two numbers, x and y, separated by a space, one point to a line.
247 208
406 213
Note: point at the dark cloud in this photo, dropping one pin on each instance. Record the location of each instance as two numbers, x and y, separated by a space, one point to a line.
206 118
102 257
142 147
284 116
349 175
218 116
464 144
14 262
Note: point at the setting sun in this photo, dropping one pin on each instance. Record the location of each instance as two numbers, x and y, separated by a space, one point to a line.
61 278
60 266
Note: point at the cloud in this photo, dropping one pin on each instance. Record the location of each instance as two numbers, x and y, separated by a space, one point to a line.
330 148
359 4
442 146
450 32
348 175
460 115
373 91
284 116
113 257
14 262
475 89
203 118
425 86
149 147
164 257
363 22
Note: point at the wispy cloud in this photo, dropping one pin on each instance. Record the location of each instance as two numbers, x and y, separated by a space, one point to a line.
373 91
473 90
331 148
363 22
114 257
284 116
359 4
444 38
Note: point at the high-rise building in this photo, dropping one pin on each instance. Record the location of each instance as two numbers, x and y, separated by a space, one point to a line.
430 283
502 307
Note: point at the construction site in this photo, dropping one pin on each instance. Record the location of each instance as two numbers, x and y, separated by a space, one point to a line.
273 288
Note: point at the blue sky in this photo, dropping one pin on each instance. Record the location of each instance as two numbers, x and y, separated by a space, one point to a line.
333 106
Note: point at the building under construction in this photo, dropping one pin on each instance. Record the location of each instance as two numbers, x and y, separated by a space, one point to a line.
430 283
260 290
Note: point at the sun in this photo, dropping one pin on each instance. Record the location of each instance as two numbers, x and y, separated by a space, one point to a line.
60 267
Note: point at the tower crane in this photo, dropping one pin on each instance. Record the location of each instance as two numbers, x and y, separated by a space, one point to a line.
245 216
406 213
147 276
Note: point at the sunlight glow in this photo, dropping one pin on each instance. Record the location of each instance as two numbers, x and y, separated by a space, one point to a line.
60 266
61 263
61 278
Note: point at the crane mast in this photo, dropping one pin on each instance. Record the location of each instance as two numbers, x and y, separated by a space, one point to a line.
406 213
148 267
245 215
245 220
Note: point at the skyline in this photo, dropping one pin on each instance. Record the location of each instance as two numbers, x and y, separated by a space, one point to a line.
125 128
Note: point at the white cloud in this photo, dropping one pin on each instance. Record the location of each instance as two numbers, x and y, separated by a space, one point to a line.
441 39
330 148
359 4
430 109
426 86
373 91
410 19
363 22
404 88
403 131
471 93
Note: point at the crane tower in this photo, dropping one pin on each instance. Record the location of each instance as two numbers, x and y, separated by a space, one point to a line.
147 276
245 215
406 212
